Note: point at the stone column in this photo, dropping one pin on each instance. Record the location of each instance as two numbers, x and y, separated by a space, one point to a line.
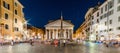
53 34
68 34
49 34
46 34
56 33
64 33
71 33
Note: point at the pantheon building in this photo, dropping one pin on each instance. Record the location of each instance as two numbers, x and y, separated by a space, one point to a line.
59 29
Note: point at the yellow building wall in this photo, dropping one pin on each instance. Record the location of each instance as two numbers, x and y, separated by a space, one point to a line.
11 19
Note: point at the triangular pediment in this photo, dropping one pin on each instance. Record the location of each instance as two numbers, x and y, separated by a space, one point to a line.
58 23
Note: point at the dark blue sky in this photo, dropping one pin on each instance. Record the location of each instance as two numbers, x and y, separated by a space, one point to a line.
39 12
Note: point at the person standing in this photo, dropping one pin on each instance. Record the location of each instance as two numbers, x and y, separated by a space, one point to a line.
64 43
56 43
12 42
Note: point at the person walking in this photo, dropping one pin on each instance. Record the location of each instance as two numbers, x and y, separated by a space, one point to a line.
31 42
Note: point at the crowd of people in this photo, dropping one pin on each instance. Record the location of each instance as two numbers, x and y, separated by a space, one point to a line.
13 42
56 42
112 43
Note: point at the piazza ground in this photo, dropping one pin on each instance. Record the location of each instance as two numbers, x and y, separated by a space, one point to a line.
87 47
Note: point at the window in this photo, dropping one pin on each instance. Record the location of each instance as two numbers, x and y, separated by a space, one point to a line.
118 8
105 30
92 23
110 21
110 12
16 29
15 4
118 1
6 16
118 28
6 26
16 12
6 5
105 23
92 17
15 20
97 20
101 31
96 31
105 15
106 7
101 10
97 14
101 17
110 4
111 29
119 19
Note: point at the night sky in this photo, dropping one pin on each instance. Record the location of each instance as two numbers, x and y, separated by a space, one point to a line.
39 12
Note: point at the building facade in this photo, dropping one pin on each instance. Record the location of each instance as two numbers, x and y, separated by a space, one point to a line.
80 33
53 30
11 19
105 21
83 32
35 33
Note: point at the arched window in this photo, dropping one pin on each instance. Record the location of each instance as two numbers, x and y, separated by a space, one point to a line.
6 26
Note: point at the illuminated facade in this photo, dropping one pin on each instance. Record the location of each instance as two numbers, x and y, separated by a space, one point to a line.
11 20
83 32
53 30
80 33
106 21
35 33
103 21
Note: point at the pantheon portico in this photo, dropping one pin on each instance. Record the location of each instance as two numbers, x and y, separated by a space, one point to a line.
53 29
